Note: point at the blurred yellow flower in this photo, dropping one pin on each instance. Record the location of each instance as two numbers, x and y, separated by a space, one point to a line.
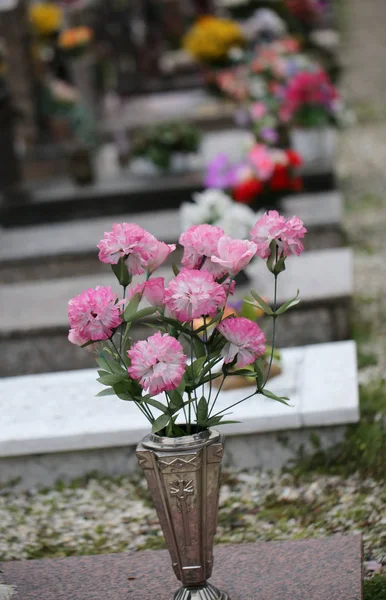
210 39
45 17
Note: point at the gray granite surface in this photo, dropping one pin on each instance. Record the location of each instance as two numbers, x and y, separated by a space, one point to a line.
320 569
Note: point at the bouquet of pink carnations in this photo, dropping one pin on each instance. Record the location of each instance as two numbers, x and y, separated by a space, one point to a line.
196 340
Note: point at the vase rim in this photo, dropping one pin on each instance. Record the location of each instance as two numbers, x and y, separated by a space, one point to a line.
163 443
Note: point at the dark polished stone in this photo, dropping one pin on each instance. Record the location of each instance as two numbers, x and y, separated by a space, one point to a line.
325 569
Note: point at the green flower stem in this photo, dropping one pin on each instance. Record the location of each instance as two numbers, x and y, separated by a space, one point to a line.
192 360
217 395
145 411
189 413
121 337
207 357
273 332
117 351
235 404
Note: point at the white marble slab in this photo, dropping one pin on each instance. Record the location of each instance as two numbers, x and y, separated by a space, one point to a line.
81 236
321 276
59 412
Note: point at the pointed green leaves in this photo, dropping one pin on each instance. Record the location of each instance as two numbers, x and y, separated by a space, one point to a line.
202 412
143 313
131 308
160 423
261 303
107 392
272 396
289 304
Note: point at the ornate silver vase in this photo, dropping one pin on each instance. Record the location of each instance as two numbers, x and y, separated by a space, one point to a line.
183 477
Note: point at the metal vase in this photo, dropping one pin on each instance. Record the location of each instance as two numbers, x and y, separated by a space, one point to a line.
183 477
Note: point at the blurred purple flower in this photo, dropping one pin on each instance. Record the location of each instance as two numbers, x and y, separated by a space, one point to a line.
220 172
269 135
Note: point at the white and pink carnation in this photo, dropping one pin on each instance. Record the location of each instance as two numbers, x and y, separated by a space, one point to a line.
200 243
295 231
193 294
245 341
93 315
271 226
158 363
139 248
233 255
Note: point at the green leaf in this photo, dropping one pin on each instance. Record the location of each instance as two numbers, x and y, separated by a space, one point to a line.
103 363
122 390
107 392
289 304
144 312
176 400
110 366
258 366
202 412
175 269
156 404
268 394
199 348
111 378
160 423
131 308
181 387
261 303
197 366
177 325
218 421
243 373
121 273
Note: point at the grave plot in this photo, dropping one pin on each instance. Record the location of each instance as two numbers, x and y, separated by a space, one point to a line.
74 432
69 248
325 568
33 323
62 200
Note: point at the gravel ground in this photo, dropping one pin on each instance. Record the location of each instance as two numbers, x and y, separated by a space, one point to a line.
107 515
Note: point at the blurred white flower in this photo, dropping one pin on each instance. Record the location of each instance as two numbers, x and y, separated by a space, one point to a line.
264 20
238 220
214 207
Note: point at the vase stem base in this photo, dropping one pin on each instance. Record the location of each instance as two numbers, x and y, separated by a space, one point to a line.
201 592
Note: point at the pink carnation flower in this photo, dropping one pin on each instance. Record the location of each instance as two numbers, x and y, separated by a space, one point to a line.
295 231
140 249
153 290
245 340
200 243
159 255
234 255
271 226
158 363
93 315
287 234
194 294
261 160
